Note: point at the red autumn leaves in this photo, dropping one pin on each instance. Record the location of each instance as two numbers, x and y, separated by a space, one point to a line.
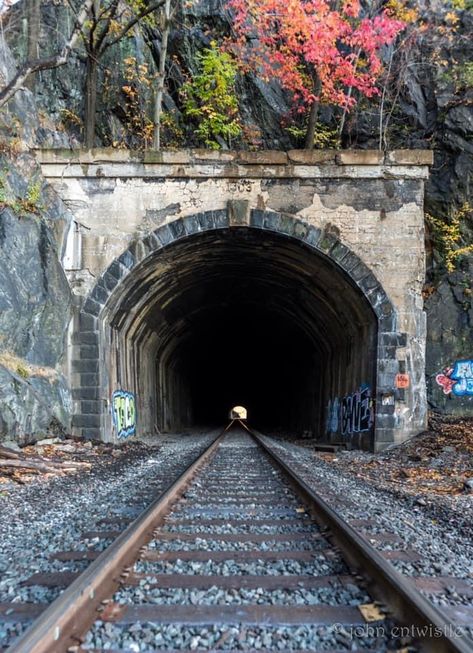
320 51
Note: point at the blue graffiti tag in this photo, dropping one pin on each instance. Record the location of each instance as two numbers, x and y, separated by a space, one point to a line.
124 413
350 414
333 410
463 374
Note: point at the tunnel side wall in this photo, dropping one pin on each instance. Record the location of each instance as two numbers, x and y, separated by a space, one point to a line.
363 209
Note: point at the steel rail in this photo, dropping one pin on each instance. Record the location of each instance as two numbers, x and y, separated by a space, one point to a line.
63 622
404 602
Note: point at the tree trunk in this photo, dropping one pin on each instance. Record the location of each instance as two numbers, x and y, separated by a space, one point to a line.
314 114
45 466
33 12
90 100
161 76
311 127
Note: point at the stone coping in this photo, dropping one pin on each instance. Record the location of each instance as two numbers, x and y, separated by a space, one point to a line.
238 157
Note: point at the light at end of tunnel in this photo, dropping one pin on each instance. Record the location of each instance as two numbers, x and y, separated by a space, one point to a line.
238 412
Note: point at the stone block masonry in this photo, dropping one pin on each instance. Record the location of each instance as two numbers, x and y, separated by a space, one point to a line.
359 211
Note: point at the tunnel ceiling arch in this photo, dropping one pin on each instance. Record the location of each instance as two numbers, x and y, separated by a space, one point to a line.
200 316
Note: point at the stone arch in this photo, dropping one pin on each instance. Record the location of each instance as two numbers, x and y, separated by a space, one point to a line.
91 373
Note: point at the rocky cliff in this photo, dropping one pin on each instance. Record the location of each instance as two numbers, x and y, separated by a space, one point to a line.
431 105
34 293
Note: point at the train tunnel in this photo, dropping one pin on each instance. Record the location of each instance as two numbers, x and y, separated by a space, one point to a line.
239 316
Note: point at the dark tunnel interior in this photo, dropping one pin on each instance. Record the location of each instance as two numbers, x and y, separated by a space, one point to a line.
240 316
252 356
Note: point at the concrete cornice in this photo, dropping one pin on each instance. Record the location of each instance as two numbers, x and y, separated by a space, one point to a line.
195 163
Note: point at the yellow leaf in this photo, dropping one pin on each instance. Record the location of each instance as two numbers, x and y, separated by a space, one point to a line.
371 612
450 17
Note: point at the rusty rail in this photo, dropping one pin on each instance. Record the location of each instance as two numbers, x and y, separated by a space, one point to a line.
62 624
406 604
73 612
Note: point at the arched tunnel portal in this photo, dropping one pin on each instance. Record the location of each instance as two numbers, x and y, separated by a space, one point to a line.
200 316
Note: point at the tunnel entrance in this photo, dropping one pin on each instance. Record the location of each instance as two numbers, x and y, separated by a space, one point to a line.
238 413
240 316
278 315
352 263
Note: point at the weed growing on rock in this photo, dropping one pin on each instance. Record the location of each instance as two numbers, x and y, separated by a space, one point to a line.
22 371
22 205
210 99
448 237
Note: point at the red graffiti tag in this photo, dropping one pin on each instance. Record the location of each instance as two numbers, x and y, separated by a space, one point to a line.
445 381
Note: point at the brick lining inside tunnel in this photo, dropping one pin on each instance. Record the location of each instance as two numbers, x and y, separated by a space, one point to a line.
278 316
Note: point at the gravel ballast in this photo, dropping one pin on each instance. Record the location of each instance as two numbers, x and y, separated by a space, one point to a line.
320 566
212 512
49 515
345 595
431 527
208 510
149 637
445 551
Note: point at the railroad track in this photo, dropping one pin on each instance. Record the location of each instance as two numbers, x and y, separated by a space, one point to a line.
239 554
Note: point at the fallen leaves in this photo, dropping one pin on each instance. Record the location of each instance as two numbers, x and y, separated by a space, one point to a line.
371 612
438 461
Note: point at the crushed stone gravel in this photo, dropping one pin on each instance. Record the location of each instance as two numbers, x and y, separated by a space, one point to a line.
148 637
445 550
344 595
49 515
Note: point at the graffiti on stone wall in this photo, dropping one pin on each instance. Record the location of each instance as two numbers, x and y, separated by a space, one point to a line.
351 413
457 380
124 413
333 410
355 412
445 380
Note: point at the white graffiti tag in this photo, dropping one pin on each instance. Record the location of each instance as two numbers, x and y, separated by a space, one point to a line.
463 373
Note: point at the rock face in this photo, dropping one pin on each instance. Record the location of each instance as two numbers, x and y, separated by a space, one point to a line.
34 314
448 107
450 324
32 408
34 296
34 293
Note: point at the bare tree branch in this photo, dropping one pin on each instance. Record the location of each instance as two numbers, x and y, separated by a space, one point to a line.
133 21
106 28
46 63
161 76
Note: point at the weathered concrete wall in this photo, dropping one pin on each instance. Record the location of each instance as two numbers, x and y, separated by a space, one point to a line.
369 201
